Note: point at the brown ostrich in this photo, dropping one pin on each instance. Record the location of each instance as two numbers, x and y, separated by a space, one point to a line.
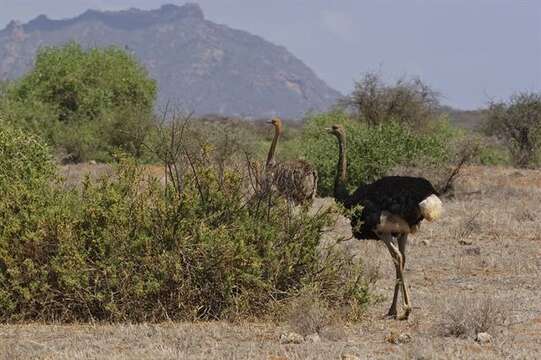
296 180
392 208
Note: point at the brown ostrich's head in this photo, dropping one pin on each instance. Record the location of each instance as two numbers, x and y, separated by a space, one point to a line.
277 123
337 130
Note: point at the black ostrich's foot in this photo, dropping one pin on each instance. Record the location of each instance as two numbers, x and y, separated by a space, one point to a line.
392 313
406 314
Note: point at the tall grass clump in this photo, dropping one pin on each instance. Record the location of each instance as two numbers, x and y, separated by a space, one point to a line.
471 315
129 248
371 150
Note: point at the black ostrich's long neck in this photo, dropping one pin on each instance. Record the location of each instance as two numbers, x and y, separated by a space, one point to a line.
272 150
341 193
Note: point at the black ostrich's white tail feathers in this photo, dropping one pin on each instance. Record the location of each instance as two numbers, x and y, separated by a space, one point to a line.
431 208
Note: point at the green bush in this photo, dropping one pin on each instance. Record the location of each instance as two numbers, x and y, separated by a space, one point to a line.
85 84
517 123
128 248
410 102
32 116
371 150
88 102
492 155
27 205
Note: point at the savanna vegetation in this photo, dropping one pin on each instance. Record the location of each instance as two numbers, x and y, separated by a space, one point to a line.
201 245
85 103
517 123
128 248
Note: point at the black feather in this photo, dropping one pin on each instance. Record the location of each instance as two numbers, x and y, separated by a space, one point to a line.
399 195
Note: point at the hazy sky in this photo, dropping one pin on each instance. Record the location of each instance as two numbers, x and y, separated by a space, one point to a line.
469 50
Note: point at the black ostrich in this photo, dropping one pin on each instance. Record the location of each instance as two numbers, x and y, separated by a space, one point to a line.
392 208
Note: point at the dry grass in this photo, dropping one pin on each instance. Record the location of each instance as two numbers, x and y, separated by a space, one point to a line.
308 314
451 287
467 316
466 228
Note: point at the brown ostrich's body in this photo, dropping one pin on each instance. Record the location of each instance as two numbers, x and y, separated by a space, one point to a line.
296 180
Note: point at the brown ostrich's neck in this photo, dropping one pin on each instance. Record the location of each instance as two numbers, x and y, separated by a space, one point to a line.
272 150
340 190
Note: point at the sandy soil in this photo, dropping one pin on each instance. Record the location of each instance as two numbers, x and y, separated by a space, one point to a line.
487 246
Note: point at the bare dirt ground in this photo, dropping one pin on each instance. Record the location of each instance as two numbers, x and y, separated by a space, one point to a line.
486 249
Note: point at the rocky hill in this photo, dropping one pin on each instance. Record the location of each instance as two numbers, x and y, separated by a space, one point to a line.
200 65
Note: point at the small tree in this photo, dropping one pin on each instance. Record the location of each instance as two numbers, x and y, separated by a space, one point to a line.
410 102
518 123
95 100
85 84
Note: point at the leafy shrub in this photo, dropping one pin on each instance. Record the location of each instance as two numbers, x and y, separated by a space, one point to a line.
493 155
89 102
33 116
409 101
128 248
517 123
85 84
371 151
27 173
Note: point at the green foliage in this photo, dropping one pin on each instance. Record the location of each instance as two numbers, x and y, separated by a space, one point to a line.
32 116
3 88
24 162
494 155
85 84
27 173
371 151
410 102
517 122
127 248
87 101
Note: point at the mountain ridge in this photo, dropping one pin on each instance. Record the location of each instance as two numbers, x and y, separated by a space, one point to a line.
204 66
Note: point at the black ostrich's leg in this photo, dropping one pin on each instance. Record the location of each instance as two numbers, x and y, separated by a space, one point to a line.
397 260
402 241
392 310
392 313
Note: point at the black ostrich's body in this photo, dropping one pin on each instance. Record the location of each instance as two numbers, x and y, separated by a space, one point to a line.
398 195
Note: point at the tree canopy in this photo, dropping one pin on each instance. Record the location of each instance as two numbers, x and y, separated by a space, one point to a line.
83 99
408 101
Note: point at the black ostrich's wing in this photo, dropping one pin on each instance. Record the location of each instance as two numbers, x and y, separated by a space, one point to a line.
399 195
